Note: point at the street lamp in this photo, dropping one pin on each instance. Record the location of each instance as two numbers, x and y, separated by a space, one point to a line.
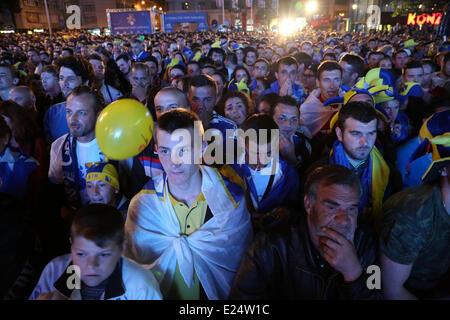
143 3
354 6
311 6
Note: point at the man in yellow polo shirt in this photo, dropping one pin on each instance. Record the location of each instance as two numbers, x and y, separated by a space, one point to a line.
190 225
190 219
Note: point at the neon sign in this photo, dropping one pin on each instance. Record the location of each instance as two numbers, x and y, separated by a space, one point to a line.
434 18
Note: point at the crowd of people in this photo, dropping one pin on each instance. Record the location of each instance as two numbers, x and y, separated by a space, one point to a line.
354 127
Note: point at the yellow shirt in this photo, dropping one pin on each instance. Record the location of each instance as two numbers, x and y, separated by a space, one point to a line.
190 219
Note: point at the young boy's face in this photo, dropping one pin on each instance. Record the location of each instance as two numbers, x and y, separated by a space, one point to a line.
99 191
96 264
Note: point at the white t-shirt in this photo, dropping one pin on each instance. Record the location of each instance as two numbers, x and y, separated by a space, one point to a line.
87 154
261 180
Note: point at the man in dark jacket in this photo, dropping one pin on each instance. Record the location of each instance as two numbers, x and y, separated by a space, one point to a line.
322 256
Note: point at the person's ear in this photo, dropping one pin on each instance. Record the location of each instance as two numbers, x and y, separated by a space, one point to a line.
308 204
444 172
15 81
339 133
70 240
317 83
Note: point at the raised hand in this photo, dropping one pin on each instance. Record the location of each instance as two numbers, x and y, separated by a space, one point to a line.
340 254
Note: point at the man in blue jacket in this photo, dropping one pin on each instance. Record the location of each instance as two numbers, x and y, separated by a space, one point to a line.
287 69
271 182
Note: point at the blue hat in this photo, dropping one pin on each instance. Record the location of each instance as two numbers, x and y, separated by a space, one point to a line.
410 89
435 133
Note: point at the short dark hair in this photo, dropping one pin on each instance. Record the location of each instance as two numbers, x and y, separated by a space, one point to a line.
263 60
179 67
430 63
99 223
327 175
287 100
50 69
221 75
203 80
217 50
412 64
177 118
303 58
12 70
205 61
371 53
150 59
260 121
79 65
328 66
286 60
123 56
271 98
94 56
232 57
356 62
361 111
398 52
97 97
70 50
330 55
250 49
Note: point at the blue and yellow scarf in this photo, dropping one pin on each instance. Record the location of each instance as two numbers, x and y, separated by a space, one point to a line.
70 171
374 178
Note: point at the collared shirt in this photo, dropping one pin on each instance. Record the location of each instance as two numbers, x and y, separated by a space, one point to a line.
190 219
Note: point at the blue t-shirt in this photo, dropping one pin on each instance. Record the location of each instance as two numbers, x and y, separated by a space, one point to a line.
55 122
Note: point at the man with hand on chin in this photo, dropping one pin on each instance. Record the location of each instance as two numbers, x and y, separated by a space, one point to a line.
321 254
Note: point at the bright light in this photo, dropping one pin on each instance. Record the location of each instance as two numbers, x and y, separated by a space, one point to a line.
143 2
354 6
160 8
311 6
287 27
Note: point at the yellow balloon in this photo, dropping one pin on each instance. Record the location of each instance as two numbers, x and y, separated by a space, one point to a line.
123 129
